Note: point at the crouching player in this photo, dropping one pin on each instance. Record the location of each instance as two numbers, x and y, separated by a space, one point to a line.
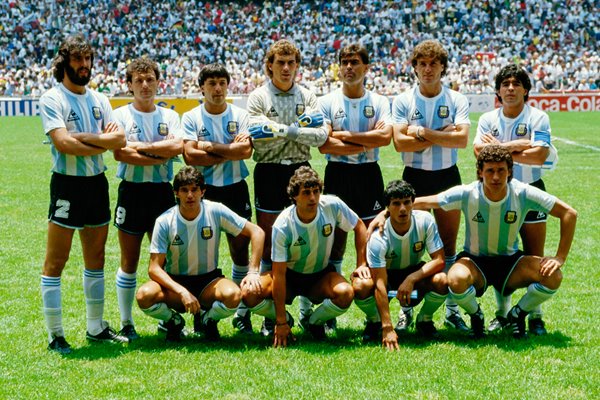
302 239
184 256
495 207
395 257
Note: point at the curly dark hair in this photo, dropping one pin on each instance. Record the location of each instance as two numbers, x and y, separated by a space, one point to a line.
75 44
188 176
494 153
282 47
142 65
433 49
513 71
303 177
398 189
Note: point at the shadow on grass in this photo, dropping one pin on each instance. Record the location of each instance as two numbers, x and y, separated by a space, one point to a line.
342 340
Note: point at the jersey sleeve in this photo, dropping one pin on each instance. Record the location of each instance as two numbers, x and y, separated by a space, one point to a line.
174 124
188 126
384 110
279 245
539 200
433 241
50 110
462 111
229 221
399 110
346 218
160 237
376 250
451 199
483 127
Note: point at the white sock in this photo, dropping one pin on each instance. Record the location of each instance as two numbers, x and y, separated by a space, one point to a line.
51 299
326 311
502 303
536 294
218 311
238 273
304 306
369 307
126 284
93 290
159 311
448 262
337 264
451 307
432 302
466 300
266 308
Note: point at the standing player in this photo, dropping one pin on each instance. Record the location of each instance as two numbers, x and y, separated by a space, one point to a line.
184 257
495 207
360 122
146 168
217 142
80 127
432 123
285 122
525 132
303 236
395 258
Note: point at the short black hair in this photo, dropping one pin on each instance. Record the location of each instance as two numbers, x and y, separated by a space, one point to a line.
353 49
398 189
513 71
213 71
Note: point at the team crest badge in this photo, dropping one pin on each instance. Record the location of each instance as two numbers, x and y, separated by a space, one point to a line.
97 113
416 115
521 130
510 217
232 127
369 111
327 229
300 109
206 232
443 112
177 241
163 129
418 247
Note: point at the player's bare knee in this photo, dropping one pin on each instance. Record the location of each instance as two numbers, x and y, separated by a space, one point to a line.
362 288
146 296
231 296
553 281
343 295
459 279
439 282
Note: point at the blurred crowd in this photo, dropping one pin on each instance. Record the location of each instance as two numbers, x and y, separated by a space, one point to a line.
555 40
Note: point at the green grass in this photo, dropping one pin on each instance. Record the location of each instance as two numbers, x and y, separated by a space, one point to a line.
563 364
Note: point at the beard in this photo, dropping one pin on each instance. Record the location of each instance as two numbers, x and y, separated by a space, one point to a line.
76 78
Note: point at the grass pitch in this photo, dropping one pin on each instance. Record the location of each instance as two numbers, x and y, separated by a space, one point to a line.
563 364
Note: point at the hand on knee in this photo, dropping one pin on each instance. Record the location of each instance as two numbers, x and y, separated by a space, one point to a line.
362 288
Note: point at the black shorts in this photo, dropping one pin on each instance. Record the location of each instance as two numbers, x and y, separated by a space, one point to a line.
270 186
427 183
139 204
196 284
534 217
360 186
397 276
234 196
79 201
495 269
298 284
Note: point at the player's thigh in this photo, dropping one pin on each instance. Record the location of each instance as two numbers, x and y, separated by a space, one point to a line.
152 292
448 223
436 283
93 241
463 274
339 244
58 247
238 247
130 246
527 271
533 236
223 290
335 287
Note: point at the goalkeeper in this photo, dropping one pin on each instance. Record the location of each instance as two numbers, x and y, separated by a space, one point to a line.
284 123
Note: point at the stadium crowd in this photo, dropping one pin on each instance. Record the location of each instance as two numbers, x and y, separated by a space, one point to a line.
556 41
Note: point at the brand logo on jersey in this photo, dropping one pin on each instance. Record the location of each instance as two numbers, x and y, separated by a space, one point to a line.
377 206
247 207
521 130
300 109
541 215
416 115
418 247
327 229
135 130
272 112
340 114
443 112
478 218
163 129
300 242
97 113
232 127
177 241
73 117
206 232
369 111
495 132
203 132
510 217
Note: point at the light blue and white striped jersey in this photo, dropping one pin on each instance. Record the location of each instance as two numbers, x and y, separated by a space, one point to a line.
492 228
147 127
192 247
447 108
355 115
306 247
394 251
200 125
77 113
532 124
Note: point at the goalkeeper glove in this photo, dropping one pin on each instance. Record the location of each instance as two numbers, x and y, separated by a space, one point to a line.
267 131
310 120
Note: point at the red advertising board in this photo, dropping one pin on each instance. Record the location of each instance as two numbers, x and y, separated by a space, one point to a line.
565 102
